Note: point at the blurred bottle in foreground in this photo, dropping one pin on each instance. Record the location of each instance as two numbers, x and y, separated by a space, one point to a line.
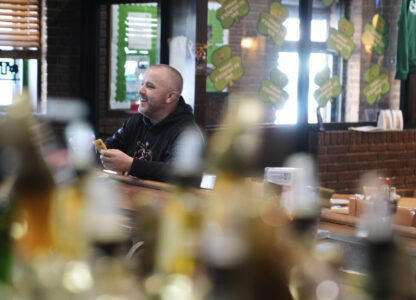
93 238
29 201
314 274
177 251
34 187
240 250
389 273
71 200
7 179
109 237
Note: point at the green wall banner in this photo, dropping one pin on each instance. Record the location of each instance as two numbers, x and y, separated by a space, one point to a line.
329 87
270 24
272 90
231 11
227 68
340 40
373 36
216 36
378 84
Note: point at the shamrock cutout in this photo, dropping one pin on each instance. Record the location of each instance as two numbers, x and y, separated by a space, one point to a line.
272 90
271 24
231 10
340 40
328 87
373 37
328 3
378 84
227 68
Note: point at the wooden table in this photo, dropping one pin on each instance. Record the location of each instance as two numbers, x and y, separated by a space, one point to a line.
343 230
134 190
346 223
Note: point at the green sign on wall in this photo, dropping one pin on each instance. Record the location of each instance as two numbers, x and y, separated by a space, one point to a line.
228 68
231 11
270 24
378 84
216 35
373 36
329 87
133 49
340 40
273 90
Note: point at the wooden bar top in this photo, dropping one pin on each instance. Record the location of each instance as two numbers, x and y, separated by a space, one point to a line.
134 190
347 225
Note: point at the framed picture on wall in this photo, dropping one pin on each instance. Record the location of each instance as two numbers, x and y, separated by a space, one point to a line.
133 49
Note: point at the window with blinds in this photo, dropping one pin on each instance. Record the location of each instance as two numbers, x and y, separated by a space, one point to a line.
20 24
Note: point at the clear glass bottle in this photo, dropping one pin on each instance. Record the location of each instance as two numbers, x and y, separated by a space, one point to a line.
71 200
34 186
388 264
6 219
240 249
113 277
177 254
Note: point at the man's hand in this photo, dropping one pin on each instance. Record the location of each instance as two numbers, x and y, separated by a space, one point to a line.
116 160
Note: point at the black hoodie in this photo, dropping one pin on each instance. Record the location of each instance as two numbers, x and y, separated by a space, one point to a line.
152 146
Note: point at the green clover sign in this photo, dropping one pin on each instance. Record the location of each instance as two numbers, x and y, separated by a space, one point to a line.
328 87
231 10
228 69
272 90
328 3
378 84
340 40
271 24
373 37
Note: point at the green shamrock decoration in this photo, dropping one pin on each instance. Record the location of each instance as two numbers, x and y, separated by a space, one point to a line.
227 68
272 90
328 87
378 84
340 40
271 24
231 10
373 37
328 3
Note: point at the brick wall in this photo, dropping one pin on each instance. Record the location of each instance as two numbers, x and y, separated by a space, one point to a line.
360 13
64 33
352 106
343 157
259 62
109 121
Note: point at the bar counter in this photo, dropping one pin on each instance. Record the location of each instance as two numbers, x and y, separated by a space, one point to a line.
332 220
334 226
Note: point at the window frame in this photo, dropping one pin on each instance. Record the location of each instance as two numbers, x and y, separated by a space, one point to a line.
29 53
305 47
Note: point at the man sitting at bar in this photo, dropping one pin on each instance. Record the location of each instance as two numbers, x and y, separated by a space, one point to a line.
145 145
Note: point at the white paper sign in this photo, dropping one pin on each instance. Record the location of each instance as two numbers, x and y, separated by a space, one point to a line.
139 30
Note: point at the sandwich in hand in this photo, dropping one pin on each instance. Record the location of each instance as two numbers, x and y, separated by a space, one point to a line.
99 145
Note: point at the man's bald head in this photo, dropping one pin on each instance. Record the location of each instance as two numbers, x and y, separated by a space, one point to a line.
160 92
172 78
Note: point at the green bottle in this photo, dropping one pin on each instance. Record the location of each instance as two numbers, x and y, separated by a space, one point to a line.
5 225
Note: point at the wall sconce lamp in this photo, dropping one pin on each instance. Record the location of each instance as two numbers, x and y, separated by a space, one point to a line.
249 43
